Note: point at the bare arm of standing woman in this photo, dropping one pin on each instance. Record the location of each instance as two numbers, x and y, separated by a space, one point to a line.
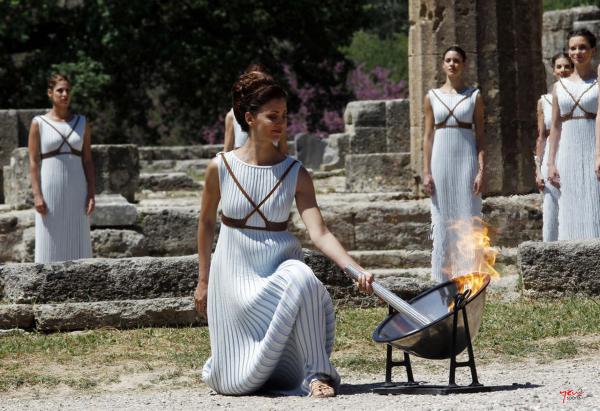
90 171
428 184
320 235
554 141
597 162
35 161
206 232
229 140
480 141
540 145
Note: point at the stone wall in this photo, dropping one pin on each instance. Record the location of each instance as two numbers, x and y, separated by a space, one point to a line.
14 130
557 25
117 172
502 41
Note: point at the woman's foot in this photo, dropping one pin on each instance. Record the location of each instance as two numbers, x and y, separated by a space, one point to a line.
321 389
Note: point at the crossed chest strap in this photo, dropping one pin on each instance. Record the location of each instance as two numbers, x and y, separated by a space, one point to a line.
65 140
242 222
586 114
444 123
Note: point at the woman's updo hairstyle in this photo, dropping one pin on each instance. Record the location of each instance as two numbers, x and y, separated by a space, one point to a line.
55 78
251 91
561 55
589 36
457 49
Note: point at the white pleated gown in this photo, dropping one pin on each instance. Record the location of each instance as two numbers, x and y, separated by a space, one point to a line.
551 192
454 167
271 321
63 233
579 203
239 135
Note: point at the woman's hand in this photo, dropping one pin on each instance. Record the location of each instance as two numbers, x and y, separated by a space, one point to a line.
201 298
428 185
90 204
365 282
553 176
539 180
478 183
40 204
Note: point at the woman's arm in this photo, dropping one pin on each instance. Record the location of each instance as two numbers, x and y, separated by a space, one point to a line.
480 142
35 160
540 145
206 232
428 184
229 140
320 235
554 140
90 170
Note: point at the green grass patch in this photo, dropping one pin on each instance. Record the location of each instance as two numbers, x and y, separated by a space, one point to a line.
521 330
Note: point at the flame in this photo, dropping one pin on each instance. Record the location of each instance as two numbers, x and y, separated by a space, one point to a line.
473 252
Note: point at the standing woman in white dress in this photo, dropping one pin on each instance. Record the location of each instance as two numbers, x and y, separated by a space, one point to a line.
575 169
453 165
562 67
271 321
235 137
62 178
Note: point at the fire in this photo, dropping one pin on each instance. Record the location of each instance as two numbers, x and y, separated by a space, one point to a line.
473 252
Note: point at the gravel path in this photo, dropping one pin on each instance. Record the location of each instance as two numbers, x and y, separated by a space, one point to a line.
579 374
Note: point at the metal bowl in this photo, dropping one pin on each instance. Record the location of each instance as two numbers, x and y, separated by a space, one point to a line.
434 341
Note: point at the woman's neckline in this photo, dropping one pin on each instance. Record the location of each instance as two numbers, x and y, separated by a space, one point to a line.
236 158
458 93
581 81
73 116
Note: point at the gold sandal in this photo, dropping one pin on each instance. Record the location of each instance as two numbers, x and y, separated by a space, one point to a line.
320 389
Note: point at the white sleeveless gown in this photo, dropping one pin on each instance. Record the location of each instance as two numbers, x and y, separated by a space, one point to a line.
64 232
579 203
271 321
454 166
551 192
239 135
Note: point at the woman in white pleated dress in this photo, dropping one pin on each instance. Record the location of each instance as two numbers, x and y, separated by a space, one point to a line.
271 321
62 178
453 164
235 137
574 159
562 67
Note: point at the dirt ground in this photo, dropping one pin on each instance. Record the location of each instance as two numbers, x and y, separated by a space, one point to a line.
563 384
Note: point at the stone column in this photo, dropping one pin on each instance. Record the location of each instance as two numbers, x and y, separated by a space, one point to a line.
504 59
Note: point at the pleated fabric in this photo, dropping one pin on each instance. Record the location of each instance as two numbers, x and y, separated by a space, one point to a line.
454 167
271 321
579 202
63 233
551 192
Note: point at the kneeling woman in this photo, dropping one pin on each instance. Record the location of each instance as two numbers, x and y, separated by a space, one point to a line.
271 321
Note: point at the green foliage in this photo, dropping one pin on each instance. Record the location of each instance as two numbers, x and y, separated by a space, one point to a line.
566 4
371 51
156 71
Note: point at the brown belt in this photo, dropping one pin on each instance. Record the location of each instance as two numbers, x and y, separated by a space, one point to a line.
60 153
241 223
586 115
468 126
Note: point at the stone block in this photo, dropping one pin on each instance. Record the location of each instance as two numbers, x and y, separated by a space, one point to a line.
117 169
309 150
17 180
339 145
167 182
17 236
105 279
16 316
560 268
9 135
158 312
397 114
170 231
25 117
378 172
113 210
366 140
365 113
113 243
206 151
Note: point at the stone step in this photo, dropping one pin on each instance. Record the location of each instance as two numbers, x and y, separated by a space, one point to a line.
191 167
179 152
168 182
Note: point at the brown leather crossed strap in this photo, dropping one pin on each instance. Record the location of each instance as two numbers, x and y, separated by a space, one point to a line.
444 123
65 139
242 223
586 114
